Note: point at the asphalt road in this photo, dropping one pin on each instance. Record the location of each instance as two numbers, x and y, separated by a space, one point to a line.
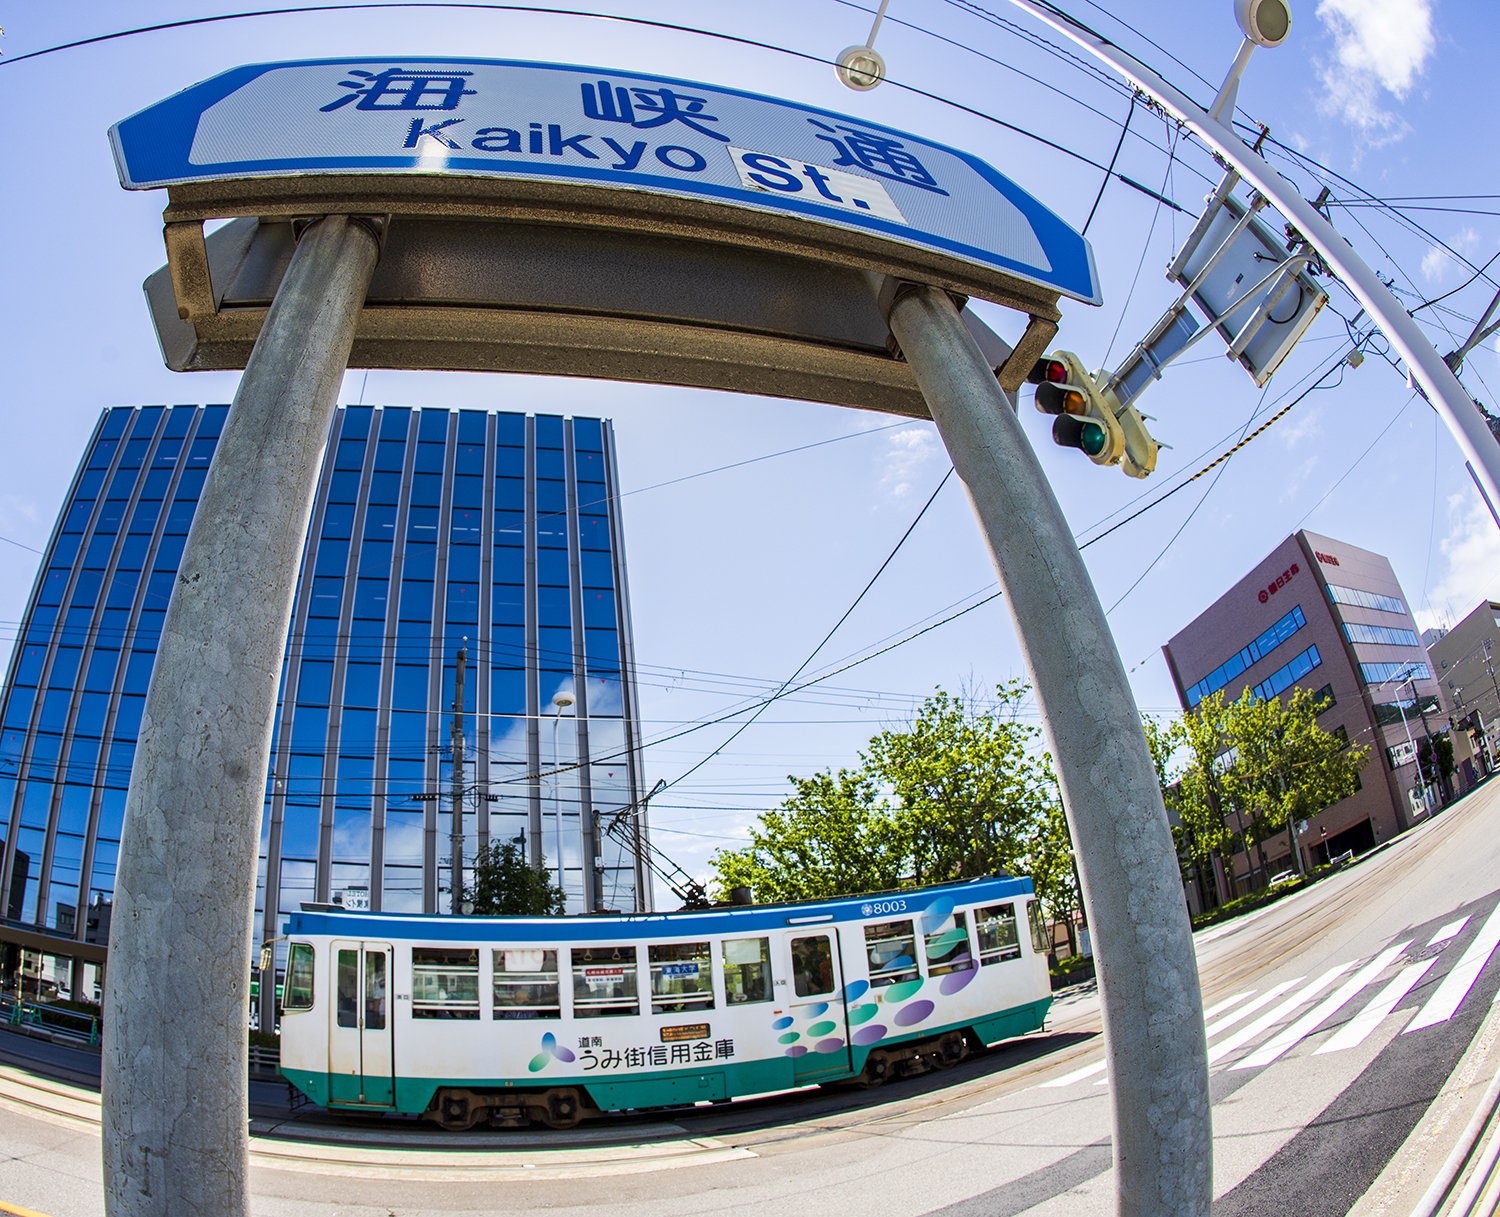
1349 1026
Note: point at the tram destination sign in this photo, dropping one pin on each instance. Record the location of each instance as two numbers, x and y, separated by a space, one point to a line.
657 136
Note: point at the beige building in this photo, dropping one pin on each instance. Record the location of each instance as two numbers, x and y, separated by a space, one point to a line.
1466 661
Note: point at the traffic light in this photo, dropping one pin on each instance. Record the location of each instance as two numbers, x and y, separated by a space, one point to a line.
1090 418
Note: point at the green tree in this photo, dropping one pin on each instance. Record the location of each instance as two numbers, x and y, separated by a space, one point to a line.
834 837
971 791
505 882
963 792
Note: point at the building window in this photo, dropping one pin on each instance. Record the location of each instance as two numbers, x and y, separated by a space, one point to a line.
1383 635
1254 653
1325 700
1380 673
1285 677
1364 599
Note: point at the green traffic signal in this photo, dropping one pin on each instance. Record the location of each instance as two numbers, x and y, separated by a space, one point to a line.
1070 431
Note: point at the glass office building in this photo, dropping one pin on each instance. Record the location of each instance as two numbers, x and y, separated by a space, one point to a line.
433 532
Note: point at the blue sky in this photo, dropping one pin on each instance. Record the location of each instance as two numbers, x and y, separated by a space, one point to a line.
736 575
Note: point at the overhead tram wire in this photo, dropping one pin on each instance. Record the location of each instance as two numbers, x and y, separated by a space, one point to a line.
813 654
1224 456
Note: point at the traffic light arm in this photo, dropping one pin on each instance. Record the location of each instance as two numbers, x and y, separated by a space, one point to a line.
1426 366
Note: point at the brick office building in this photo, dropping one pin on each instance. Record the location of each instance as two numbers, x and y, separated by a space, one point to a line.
1330 617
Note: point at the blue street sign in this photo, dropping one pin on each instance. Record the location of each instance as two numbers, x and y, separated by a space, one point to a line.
596 127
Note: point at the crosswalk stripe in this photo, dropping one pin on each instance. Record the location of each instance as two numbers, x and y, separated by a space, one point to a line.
1220 1007
1354 1032
1077 1075
1245 1034
1323 1011
1450 930
1450 994
1265 999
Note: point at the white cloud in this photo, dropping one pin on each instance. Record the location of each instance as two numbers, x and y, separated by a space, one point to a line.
908 452
1380 47
1437 261
1472 548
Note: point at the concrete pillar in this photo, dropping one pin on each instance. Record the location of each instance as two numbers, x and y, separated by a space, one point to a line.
1148 977
176 1005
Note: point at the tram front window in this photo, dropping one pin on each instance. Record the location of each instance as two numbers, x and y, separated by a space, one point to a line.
526 983
1041 932
348 986
892 950
812 966
680 977
299 977
747 970
444 983
604 982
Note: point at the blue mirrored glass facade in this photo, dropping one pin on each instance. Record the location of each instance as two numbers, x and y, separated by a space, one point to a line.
433 531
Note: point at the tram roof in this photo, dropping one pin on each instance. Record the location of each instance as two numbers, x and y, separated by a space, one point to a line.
729 919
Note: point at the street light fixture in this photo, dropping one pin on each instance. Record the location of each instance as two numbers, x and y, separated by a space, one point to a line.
861 67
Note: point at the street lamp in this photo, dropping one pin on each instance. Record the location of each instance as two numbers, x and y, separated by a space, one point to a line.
559 701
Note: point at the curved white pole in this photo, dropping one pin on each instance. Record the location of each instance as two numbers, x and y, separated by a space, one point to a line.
1427 368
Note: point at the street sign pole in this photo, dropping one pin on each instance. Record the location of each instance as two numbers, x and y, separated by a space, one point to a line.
1143 946
175 1080
1426 366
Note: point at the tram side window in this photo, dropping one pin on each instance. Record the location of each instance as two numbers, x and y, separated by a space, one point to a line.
948 946
299 977
681 977
1041 933
348 987
892 950
998 939
604 982
747 970
374 990
444 983
812 966
526 984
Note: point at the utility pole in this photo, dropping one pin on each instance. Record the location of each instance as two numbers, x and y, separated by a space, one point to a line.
456 881
1426 367
1431 751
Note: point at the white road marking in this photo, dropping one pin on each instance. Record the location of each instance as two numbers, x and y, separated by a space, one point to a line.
1245 1034
1448 931
1265 999
1077 1075
1323 1011
1450 994
1226 1004
1359 1027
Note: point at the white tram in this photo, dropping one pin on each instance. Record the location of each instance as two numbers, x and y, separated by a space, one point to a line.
555 1019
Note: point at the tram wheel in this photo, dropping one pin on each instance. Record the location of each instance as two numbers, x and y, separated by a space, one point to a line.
564 1108
951 1049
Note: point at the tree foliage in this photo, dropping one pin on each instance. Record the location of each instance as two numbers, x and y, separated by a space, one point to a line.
1248 770
505 882
965 791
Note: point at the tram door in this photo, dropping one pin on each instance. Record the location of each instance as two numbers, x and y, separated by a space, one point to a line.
810 956
360 1061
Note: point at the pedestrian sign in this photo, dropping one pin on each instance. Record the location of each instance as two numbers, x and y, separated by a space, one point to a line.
552 123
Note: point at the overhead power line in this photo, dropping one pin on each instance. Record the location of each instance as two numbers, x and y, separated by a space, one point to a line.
814 652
